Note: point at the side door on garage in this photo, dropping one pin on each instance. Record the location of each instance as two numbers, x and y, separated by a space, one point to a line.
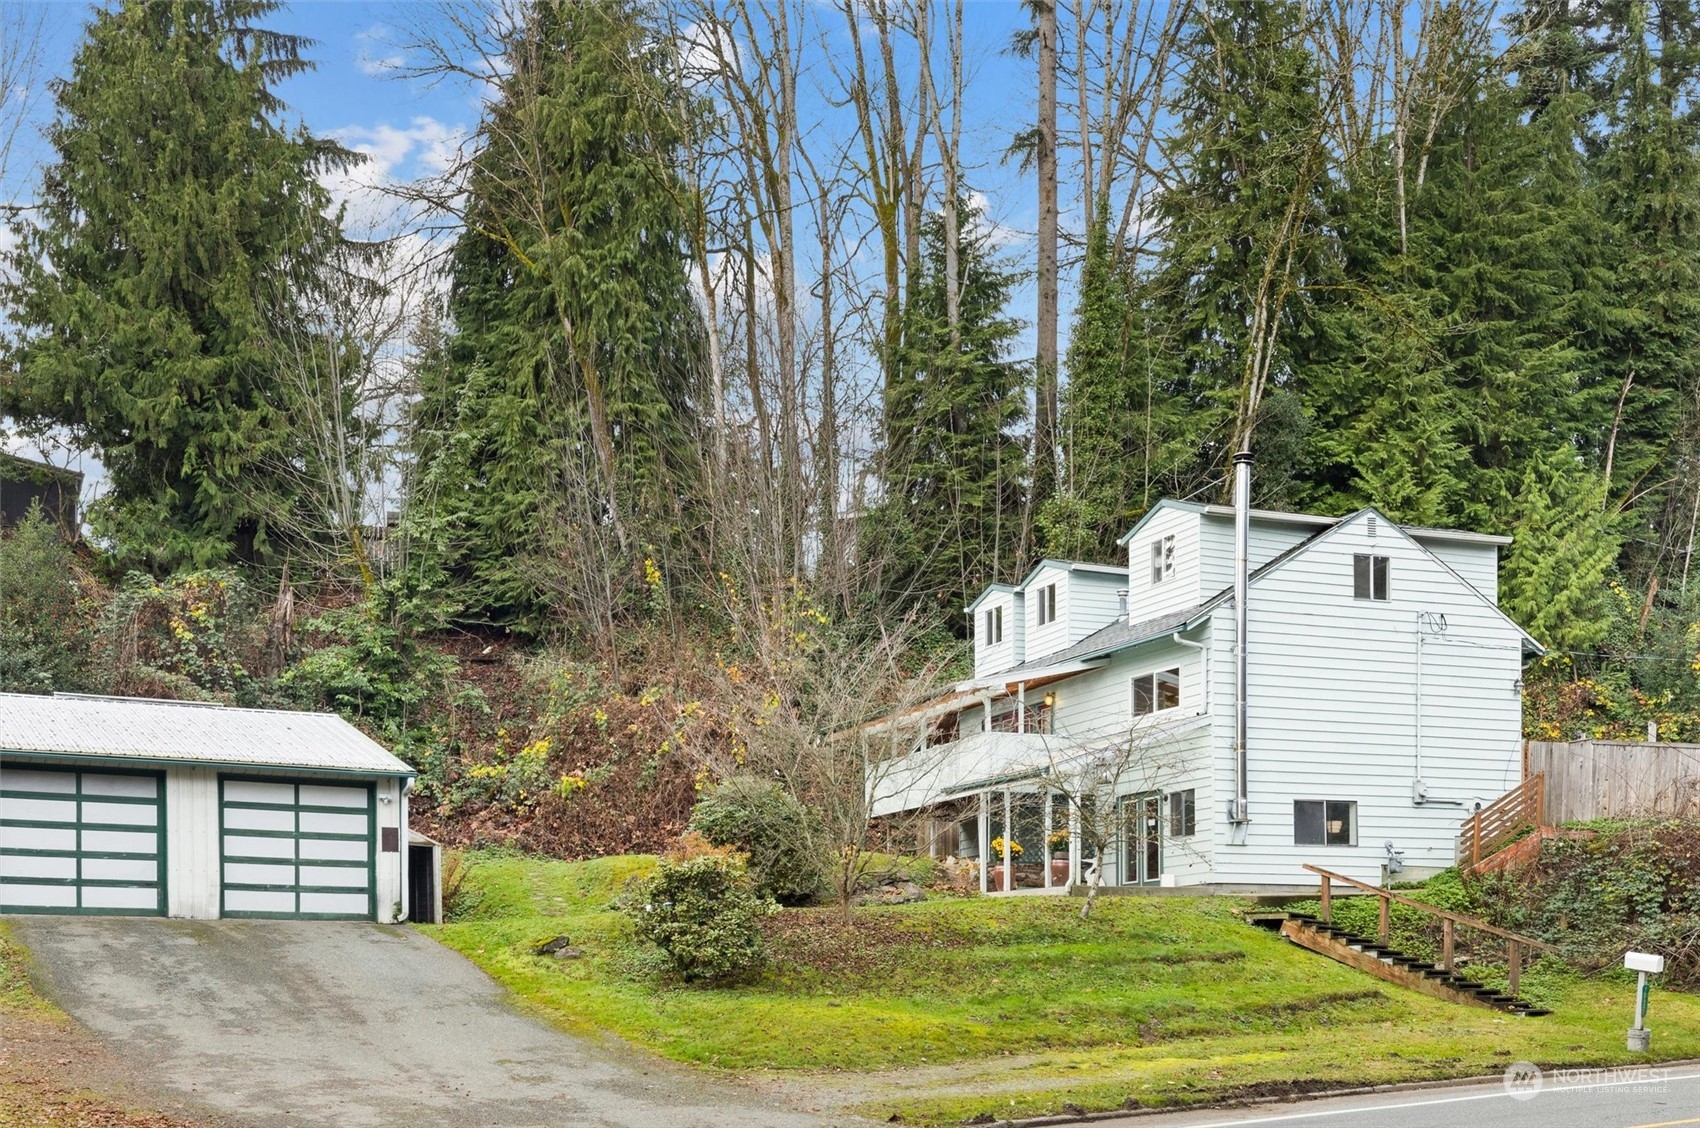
301 849
85 842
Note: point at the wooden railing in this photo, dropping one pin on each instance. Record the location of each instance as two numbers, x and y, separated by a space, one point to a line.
1500 821
1517 945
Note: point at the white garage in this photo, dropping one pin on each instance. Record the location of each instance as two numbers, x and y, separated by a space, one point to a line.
139 807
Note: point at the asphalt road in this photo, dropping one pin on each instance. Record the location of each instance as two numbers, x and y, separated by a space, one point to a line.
274 1023
1656 1098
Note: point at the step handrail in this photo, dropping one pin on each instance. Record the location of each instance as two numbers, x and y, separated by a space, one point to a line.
1490 828
1516 943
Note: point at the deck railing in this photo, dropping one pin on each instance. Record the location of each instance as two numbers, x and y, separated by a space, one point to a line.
1499 822
1517 945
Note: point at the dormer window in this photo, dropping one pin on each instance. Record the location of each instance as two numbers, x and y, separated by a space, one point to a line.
1047 604
1162 559
993 633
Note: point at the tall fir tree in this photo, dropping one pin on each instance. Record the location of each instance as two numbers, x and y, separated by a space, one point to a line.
1245 232
1649 178
1118 430
956 472
562 436
182 233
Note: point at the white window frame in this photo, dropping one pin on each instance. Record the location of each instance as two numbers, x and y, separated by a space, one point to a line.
1366 564
1133 693
1047 604
1162 559
993 633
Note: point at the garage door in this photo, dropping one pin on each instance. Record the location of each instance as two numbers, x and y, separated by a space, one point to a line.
81 842
297 849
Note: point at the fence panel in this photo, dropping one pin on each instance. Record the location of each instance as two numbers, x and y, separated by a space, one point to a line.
1597 779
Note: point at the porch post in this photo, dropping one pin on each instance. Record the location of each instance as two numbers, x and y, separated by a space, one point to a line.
984 828
1073 843
1008 843
1021 707
1045 796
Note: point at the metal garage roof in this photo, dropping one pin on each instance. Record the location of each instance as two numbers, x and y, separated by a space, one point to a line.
150 731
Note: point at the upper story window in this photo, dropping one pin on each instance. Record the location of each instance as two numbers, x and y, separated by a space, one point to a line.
1162 559
1047 604
1156 691
1369 577
993 633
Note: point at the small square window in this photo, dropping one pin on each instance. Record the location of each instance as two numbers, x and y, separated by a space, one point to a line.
1154 692
1183 813
1370 577
1324 822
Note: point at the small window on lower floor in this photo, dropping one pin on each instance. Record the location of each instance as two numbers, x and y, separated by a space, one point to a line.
1183 813
1324 822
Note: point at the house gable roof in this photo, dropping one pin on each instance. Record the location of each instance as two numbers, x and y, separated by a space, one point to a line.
1121 635
1530 646
1315 521
991 590
1111 570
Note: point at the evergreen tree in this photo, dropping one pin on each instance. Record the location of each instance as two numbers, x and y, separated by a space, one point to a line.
956 472
1554 577
1649 176
182 230
1249 204
564 418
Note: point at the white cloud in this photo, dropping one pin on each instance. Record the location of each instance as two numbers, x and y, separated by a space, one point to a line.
425 147
376 66
1000 235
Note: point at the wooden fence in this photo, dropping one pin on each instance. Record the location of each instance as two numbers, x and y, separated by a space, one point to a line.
1596 779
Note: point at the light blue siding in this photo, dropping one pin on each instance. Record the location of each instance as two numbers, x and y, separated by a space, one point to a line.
1148 599
1333 708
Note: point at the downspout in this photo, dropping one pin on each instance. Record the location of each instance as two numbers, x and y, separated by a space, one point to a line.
1240 814
405 898
1204 660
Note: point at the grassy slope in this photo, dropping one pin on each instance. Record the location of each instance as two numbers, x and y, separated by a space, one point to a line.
1015 1006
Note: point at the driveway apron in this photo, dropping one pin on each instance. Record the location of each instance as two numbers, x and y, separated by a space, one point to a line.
352 1024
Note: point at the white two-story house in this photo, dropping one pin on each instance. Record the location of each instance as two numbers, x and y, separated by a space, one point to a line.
1383 705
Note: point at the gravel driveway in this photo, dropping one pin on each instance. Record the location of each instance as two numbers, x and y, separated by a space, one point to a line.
347 1024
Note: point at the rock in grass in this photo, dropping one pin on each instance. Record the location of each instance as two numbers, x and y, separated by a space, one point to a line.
561 947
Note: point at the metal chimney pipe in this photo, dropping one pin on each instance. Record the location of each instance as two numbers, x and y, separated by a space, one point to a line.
1242 582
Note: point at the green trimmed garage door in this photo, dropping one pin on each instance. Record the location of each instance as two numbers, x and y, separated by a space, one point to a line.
89 842
302 849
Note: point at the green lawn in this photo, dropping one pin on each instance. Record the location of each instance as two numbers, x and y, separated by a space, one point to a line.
950 1008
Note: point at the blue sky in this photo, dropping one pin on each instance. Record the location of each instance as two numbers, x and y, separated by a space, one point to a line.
359 94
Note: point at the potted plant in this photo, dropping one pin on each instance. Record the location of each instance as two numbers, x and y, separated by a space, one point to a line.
1002 879
1057 851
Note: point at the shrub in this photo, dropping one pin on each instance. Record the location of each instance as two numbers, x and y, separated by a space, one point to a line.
701 909
42 633
779 834
199 636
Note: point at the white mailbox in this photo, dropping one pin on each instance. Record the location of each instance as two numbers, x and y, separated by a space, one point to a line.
1644 961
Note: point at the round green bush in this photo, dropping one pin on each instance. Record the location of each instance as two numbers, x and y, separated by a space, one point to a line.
782 837
704 913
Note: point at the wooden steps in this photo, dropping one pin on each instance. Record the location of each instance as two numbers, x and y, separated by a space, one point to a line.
1390 965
